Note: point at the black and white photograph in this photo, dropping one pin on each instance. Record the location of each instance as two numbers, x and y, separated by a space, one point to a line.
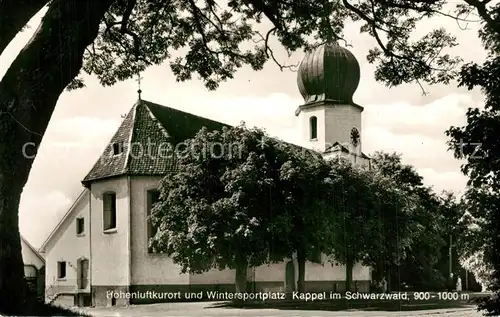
270 158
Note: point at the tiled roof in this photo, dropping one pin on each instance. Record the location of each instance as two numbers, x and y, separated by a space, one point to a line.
147 134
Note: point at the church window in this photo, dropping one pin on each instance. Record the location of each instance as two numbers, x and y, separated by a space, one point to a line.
61 269
80 225
152 197
109 211
313 126
117 148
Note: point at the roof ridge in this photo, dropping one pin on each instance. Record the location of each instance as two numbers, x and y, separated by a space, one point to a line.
107 158
184 112
158 122
131 137
66 215
32 248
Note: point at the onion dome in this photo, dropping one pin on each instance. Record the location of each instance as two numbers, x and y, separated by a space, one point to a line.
328 73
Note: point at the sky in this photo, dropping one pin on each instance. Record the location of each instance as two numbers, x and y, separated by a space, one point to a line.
397 119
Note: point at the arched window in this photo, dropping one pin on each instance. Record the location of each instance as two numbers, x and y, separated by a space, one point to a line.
152 198
313 127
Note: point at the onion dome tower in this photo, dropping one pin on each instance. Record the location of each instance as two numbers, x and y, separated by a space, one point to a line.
327 79
328 73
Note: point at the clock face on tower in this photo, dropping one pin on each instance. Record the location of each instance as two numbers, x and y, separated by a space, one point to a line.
355 137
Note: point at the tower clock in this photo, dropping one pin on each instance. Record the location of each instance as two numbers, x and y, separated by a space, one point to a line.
355 137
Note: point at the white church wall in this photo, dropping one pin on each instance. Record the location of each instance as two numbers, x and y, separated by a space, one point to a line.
270 272
214 276
361 272
324 272
328 271
148 268
110 248
305 139
67 246
340 119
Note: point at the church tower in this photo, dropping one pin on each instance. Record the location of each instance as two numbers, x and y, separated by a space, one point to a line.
327 78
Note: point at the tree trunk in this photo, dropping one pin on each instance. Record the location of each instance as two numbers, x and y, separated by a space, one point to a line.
14 15
241 275
301 281
389 278
348 274
28 94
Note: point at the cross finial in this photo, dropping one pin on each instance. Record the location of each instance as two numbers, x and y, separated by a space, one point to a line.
138 80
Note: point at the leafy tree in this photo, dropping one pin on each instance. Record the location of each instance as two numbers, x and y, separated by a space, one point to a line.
481 269
477 143
478 242
306 194
348 215
114 39
367 212
394 211
420 269
435 219
219 208
451 211
427 243
472 240
252 201
472 243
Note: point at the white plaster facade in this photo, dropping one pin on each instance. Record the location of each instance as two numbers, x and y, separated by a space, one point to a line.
65 245
110 249
334 124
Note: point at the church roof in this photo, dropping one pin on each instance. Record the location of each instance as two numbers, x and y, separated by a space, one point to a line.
143 138
139 145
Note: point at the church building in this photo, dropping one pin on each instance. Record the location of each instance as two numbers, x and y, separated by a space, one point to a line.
100 247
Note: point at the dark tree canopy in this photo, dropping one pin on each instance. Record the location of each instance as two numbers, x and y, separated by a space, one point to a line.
239 199
216 39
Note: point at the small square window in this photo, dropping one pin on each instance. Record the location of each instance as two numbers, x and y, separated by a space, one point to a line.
61 269
117 148
80 225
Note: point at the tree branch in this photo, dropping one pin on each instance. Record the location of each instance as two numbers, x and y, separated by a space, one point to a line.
52 70
14 15
270 52
484 14
126 14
